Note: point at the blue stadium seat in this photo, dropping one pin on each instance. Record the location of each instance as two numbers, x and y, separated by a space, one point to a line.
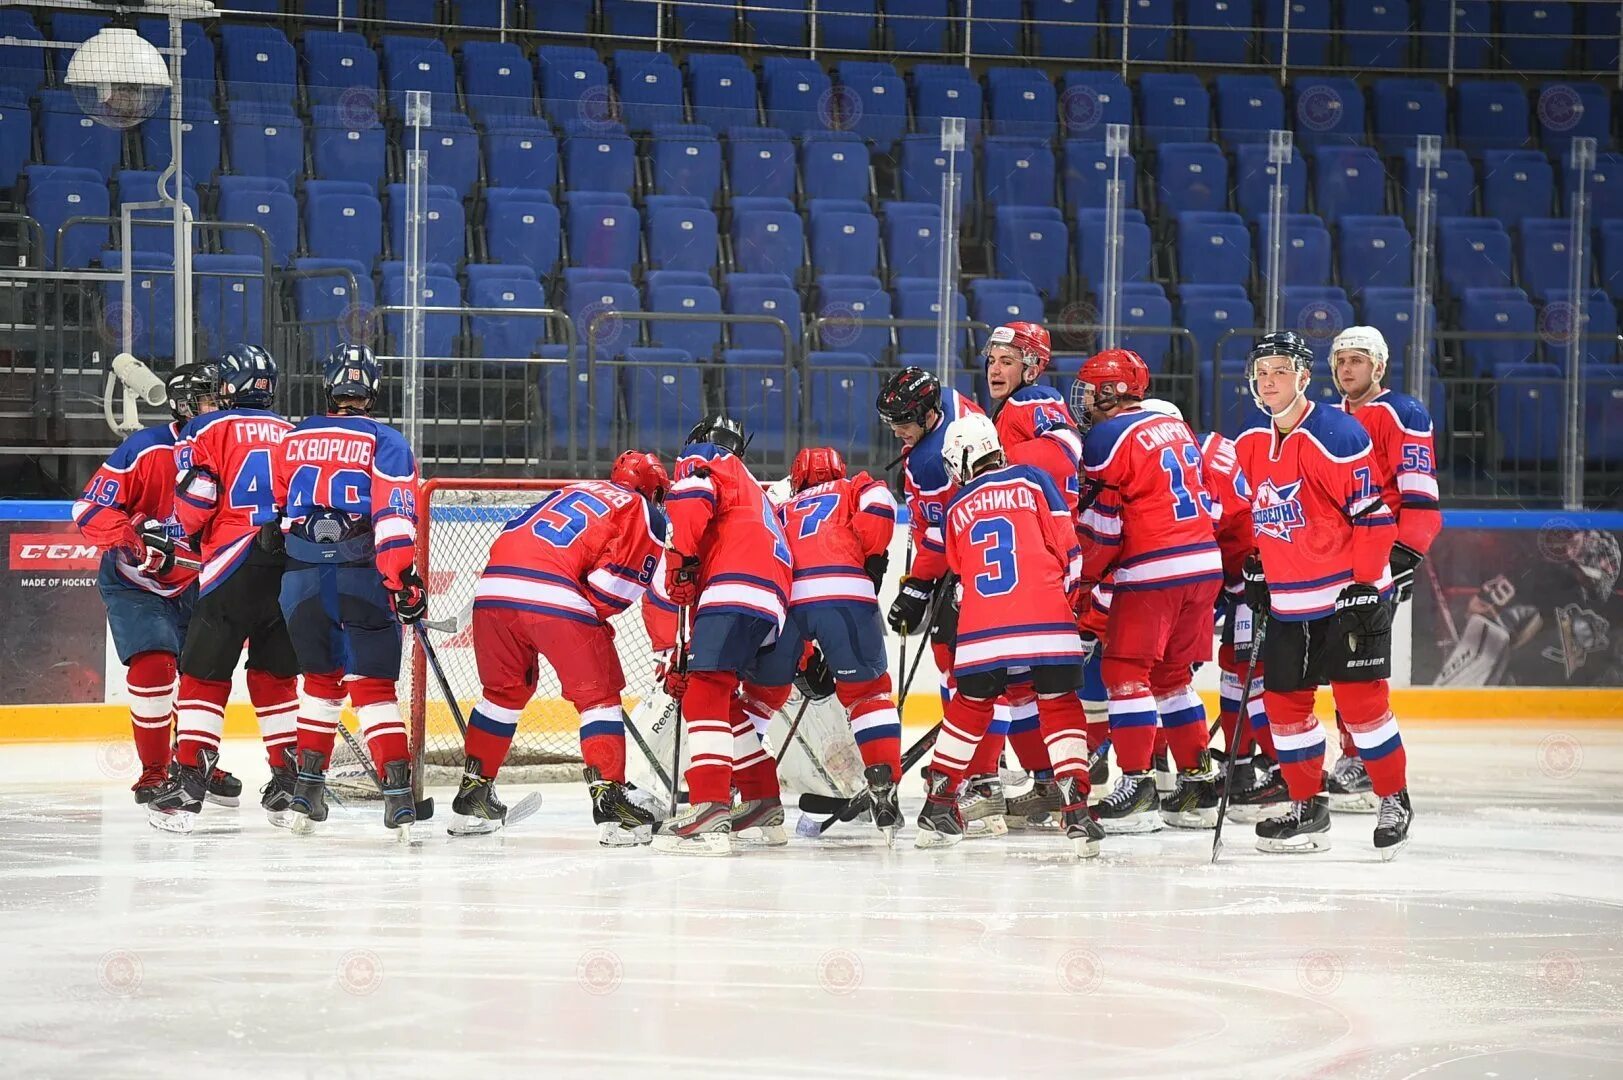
1088 172
681 238
924 164
1405 108
342 224
1090 247
778 22
1090 101
686 160
444 243
153 309
331 308
1517 184
1380 37
603 236
1032 247
844 241
1492 114
994 301
1374 251
1219 31
23 66
1602 24
1611 257
853 307
1392 310
1327 110
746 203
1307 250
630 18
572 85
834 380
1176 108
798 95
1600 325
1474 254
1052 38
1566 110
650 89
1604 187
1017 172
68 137
440 331
75 26
946 90
1348 180
587 304
200 133
1021 101
486 14
57 193
921 27
506 336
916 298
197 66
16 140
997 29
346 147
409 11
142 187
762 394
663 388
1151 30
1536 37
258 63
704 21
276 213
722 90
834 165
760 161
235 182
1528 411
1310 35
872 102
477 272
1453 182
769 295
1143 304
497 80
1210 310
230 302
1603 416
1472 22
1192 176
1254 178
599 161
339 68
452 148
912 234
850 25
1318 313
418 63
1214 248
768 242
1546 256
1248 107
263 143
1496 311
521 152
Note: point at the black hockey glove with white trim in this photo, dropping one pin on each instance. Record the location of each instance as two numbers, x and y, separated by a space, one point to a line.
1362 616
1405 561
158 555
411 599
911 603
1256 585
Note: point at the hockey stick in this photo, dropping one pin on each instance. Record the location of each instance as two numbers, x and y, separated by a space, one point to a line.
684 629
425 806
1242 730
647 752
525 806
853 806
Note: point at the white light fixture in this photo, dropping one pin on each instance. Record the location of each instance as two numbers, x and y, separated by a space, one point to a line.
118 77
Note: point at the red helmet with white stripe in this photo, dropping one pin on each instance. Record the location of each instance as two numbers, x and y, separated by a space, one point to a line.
641 472
815 465
1029 340
1106 379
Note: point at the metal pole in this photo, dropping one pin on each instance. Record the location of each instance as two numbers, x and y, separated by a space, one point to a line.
184 345
419 114
659 26
969 27
1285 42
1280 150
1126 16
1428 156
1582 160
1115 203
952 141
1453 21
501 26
814 29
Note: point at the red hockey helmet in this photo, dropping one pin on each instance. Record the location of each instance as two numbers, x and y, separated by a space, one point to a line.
816 465
642 472
1029 340
1108 377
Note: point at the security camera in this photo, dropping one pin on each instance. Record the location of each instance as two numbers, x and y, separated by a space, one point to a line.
139 378
118 77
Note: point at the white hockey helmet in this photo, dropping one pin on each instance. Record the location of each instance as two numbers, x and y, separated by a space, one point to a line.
1162 406
1364 339
967 442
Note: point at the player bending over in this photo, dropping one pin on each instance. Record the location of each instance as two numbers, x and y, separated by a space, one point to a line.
347 486
557 573
1009 537
224 499
127 510
1321 577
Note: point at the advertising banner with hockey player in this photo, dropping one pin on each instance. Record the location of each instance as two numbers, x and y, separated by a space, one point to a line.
1520 607
53 615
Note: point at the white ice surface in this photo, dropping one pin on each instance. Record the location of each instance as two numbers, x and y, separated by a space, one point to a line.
1490 948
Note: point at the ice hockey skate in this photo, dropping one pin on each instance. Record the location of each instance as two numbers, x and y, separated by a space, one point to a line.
886 808
759 822
149 783
1037 808
276 797
983 808
176 806
476 810
1392 824
1349 789
1303 827
1131 807
1258 786
399 804
1193 803
1166 777
940 822
620 821
701 829
224 789
1081 828
308 805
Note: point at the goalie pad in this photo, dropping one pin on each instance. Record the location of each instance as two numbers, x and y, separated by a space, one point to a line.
656 720
1479 657
823 758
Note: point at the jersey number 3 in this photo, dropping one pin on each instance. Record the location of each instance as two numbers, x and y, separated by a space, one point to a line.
995 539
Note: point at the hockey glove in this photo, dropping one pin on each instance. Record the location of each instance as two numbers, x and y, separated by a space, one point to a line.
270 539
411 599
908 609
1362 616
1090 645
1256 585
814 679
682 579
875 566
157 549
670 675
1405 561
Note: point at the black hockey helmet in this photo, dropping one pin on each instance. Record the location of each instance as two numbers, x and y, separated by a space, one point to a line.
721 430
350 375
1286 343
247 376
908 396
188 385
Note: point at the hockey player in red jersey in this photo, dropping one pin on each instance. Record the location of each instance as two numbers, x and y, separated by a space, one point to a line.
729 561
347 488
1400 433
1152 526
224 499
127 510
555 576
1321 576
1010 539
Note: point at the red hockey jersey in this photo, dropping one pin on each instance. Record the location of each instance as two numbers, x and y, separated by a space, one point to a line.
134 485
1036 429
585 552
234 451
358 466
1231 496
928 488
832 529
1400 433
719 513
1153 520
1316 511
1010 539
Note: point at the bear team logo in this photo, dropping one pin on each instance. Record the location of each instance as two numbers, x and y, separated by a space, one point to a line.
1276 511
